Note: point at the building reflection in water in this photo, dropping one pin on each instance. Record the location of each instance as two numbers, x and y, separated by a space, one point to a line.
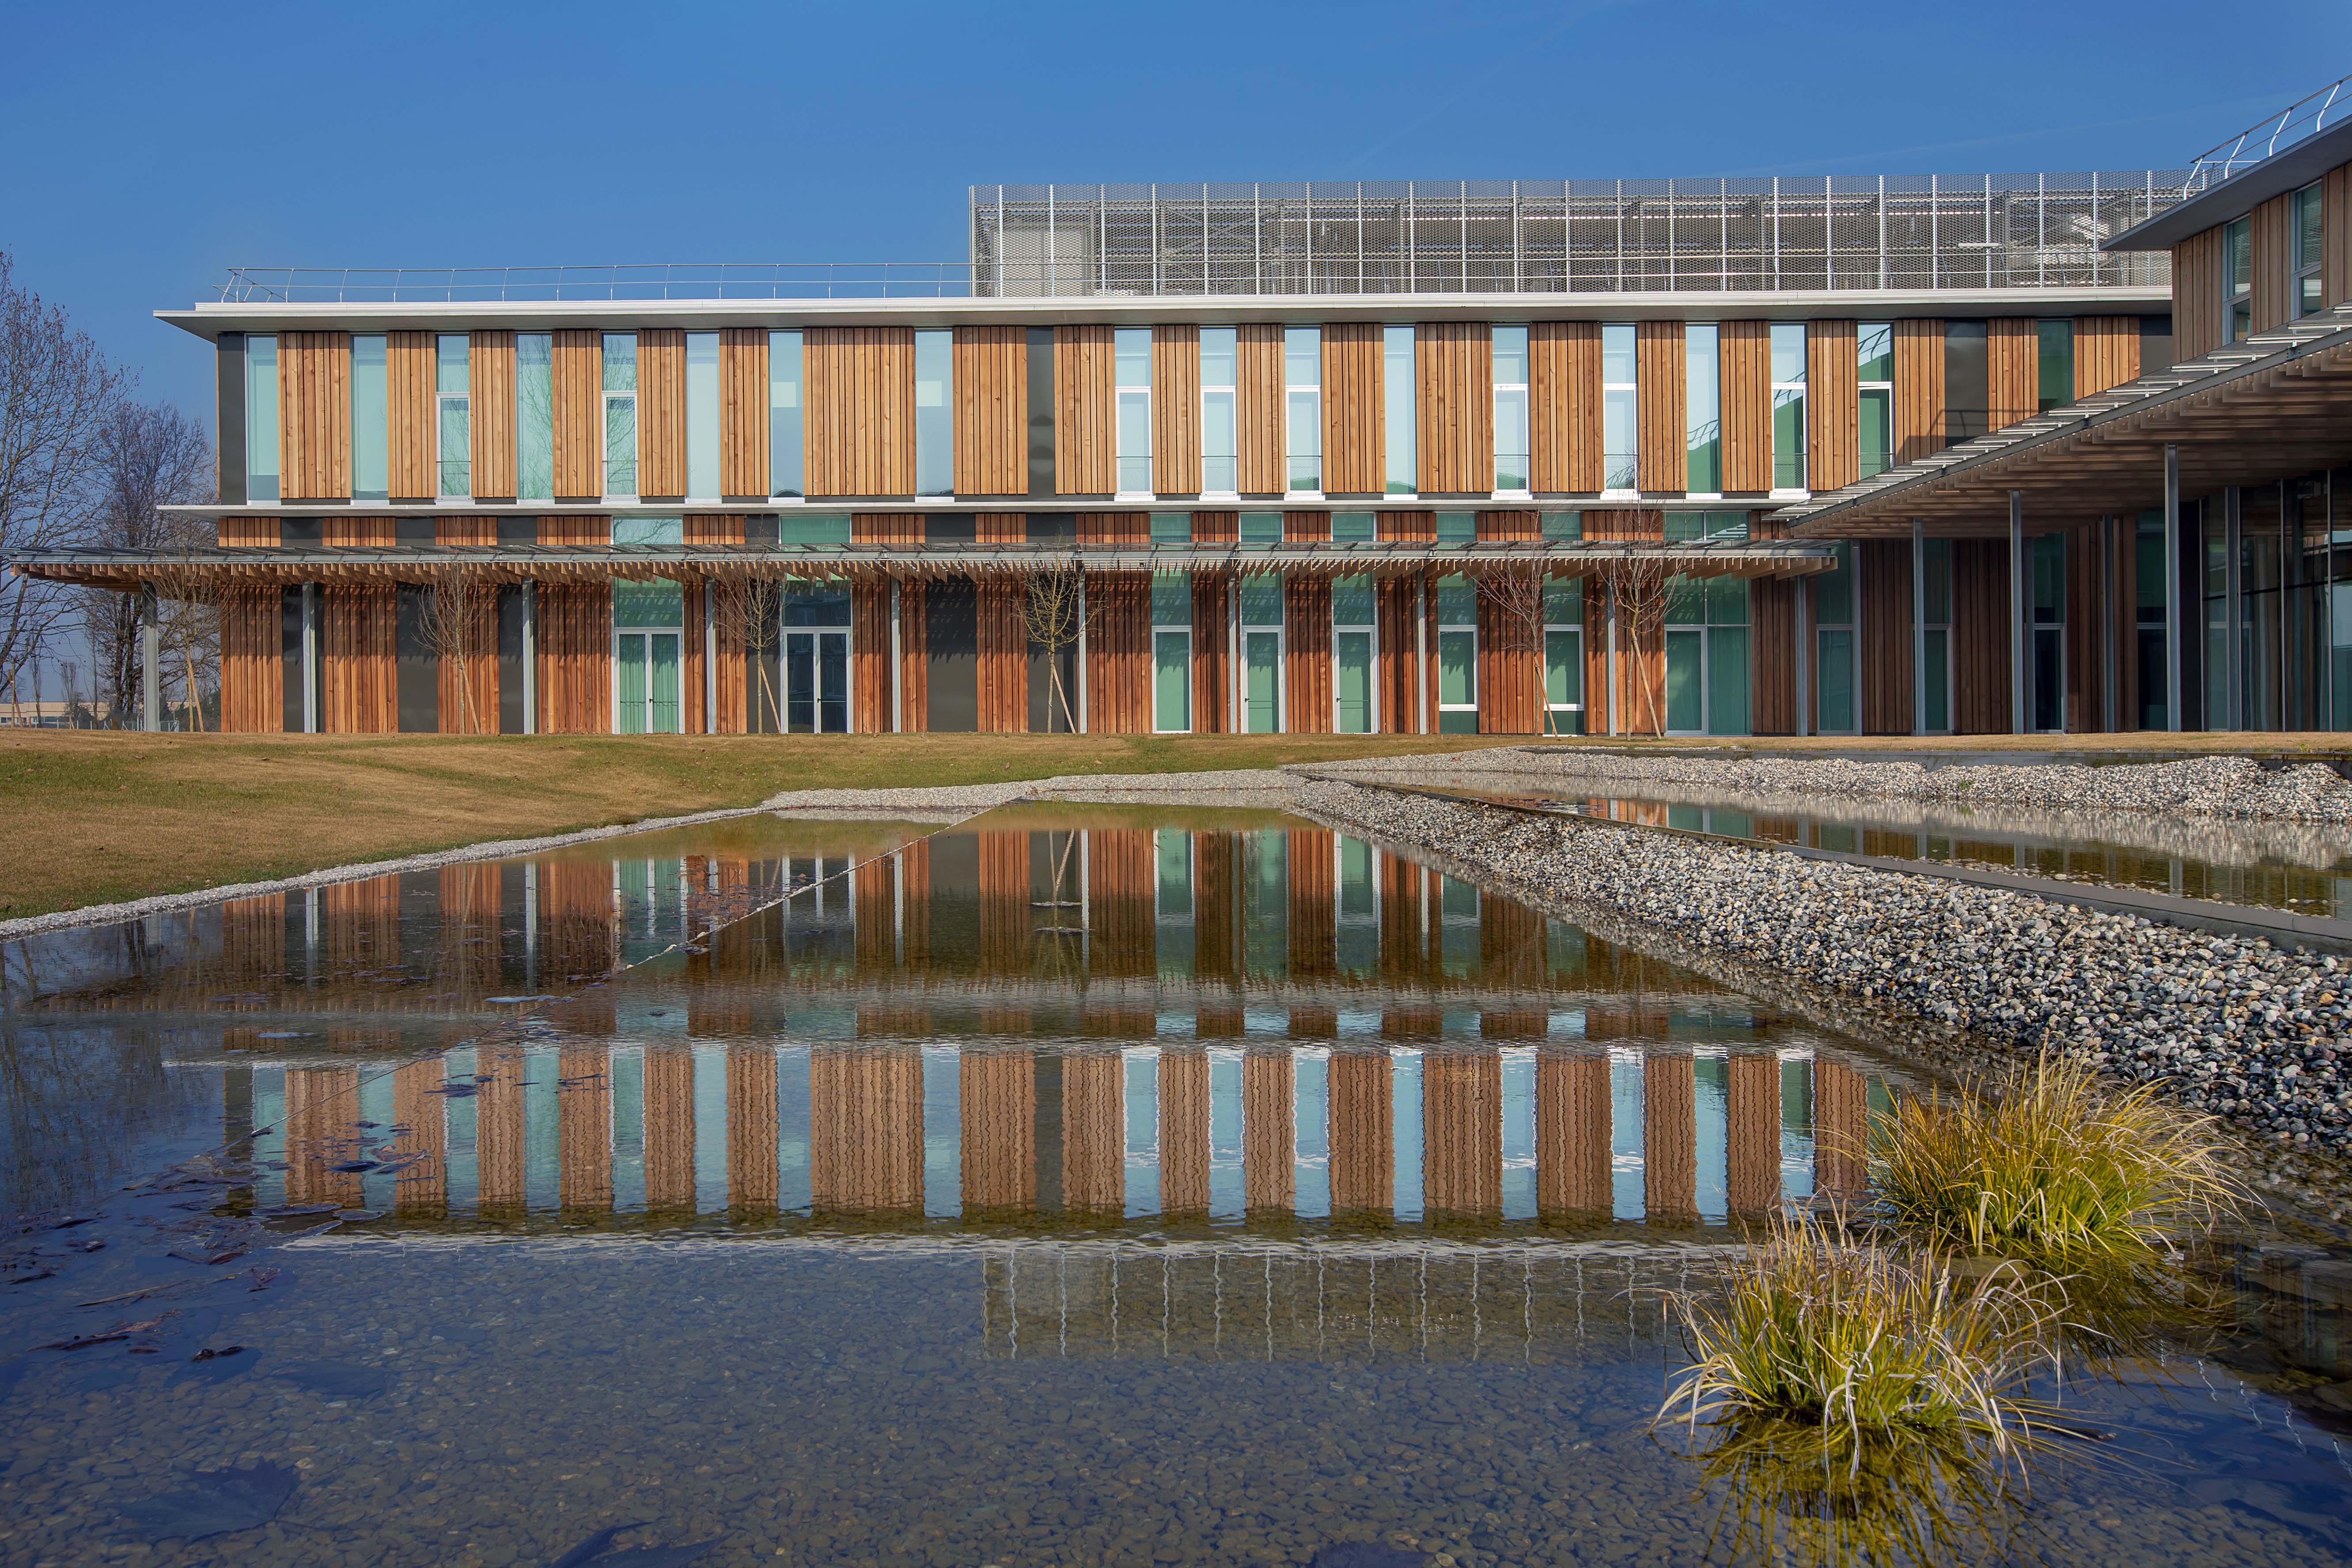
1063 1024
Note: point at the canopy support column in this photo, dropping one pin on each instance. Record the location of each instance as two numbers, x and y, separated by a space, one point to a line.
310 659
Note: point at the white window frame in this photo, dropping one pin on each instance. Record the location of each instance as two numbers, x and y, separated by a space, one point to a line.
2234 288
1231 392
1186 633
2302 268
1803 390
1291 394
1444 627
1281 672
699 440
605 407
1507 392
1127 394
1371 666
1627 393
1862 334
1543 655
261 401
1408 426
441 401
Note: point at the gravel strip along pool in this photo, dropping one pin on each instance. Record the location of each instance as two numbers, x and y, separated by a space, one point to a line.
2216 787
2232 1025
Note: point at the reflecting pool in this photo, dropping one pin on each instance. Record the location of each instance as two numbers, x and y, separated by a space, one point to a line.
1075 1185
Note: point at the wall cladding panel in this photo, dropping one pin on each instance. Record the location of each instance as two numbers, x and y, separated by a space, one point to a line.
1832 407
576 659
1258 408
252 661
1118 653
859 409
2197 295
1086 438
579 356
992 411
1882 574
314 415
743 457
1564 412
661 413
2107 353
490 390
1354 438
1307 653
1176 408
1919 389
1661 373
2012 370
1744 348
409 441
1453 369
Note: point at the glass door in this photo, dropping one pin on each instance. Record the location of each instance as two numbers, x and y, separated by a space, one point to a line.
629 684
645 683
1262 682
816 682
1351 682
1171 682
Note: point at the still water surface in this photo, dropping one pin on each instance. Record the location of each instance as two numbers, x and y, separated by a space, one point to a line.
1074 1186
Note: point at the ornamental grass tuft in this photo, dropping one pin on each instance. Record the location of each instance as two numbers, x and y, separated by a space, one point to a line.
2054 1168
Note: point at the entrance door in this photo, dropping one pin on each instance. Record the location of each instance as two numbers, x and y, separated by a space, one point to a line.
816 682
1262 682
645 683
1351 682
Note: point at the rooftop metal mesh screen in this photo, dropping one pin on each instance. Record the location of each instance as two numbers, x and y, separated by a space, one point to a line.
1573 236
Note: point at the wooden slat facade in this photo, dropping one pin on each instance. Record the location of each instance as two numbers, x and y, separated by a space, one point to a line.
2012 370
1661 373
1564 407
1981 636
467 688
359 532
869 658
1919 389
914 659
1882 582
1085 433
2197 305
490 396
1771 657
246 532
1355 447
1212 652
1744 348
1118 653
1307 652
2336 235
1396 671
252 661
743 455
661 413
2273 228
410 472
576 659
1832 407
1510 673
858 404
1003 649
359 676
1257 409
1453 370
2107 353
314 415
992 411
1176 408
578 375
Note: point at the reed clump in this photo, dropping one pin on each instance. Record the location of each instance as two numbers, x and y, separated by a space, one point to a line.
2054 1168
1866 1345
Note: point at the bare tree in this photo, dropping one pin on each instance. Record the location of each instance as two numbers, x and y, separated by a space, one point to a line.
746 608
1056 595
188 595
458 620
55 392
1514 593
1638 589
144 457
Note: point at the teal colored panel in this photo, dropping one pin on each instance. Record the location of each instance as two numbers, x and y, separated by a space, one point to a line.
1262 682
661 532
1788 440
1457 668
659 603
1878 442
1171 599
1563 667
1564 603
1939 716
534 416
661 683
1726 601
1260 528
1685 601
1457 602
629 684
1457 528
1171 682
821 530
1351 602
1351 668
1727 680
1458 722
1686 675
1171 528
1353 528
1261 601
1835 681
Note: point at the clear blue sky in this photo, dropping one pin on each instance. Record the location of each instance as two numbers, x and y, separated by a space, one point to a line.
147 148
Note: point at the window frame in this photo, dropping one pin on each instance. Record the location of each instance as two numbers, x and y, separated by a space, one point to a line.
703 379
1711 357
1400 415
1293 394
607 394
1443 628
1229 390
263 439
1620 399
1510 395
529 422
787 440
1568 628
2237 281
934 435
1881 391
1243 628
376 446
1127 394
2304 274
1371 630
1785 393
442 399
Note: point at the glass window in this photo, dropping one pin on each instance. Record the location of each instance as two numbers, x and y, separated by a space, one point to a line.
1354 528
1171 528
1131 371
370 409
1787 405
819 530
702 414
1510 408
1621 428
1458 656
654 531
2308 233
1261 599
1398 410
1874 378
1261 529
2056 353
534 416
1351 601
1220 466
2238 279
1171 599
786 451
261 418
456 426
1171 682
621 414
1302 374
1702 409
934 413
1457 528
1561 526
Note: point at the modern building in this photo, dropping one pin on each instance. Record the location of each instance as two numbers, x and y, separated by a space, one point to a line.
1723 457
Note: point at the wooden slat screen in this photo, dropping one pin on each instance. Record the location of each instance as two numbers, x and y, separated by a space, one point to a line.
1003 642
1510 672
1216 527
1086 438
358 532
2107 353
1000 528
1306 527
467 691
1257 409
869 657
359 674
1771 654
1307 652
579 367
1919 389
693 689
2012 370
252 661
1661 370
1120 528
2274 222
914 662
475 530
2085 657
859 404
992 411
1883 583
1979 636
2197 306
314 415
1832 407
1211 663
744 413
1745 352
1355 445
661 413
1564 406
575 530
1176 408
1118 653
247 531
409 443
1454 368
576 659
491 391
886 528
1396 669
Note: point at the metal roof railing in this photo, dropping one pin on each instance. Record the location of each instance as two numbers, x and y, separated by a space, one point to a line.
615 280
2298 122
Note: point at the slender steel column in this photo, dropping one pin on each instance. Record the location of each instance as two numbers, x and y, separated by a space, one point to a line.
151 656
310 659
530 659
1919 626
2016 720
2172 692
